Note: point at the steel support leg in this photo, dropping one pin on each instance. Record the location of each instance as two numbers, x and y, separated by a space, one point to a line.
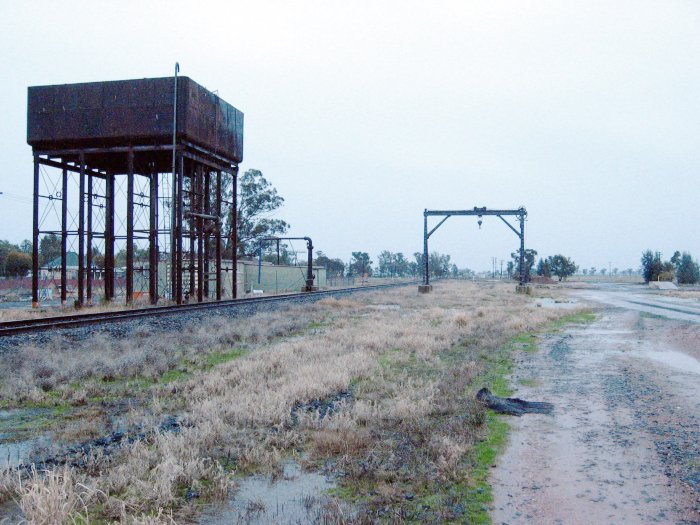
191 223
174 232
199 231
153 240
234 233
35 237
523 276
130 228
109 237
64 237
219 225
81 233
426 274
206 205
178 239
90 262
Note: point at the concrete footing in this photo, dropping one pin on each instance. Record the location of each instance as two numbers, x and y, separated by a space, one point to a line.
524 288
425 288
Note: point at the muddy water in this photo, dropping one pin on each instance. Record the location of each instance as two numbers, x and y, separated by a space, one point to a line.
558 304
622 446
676 360
297 497
16 443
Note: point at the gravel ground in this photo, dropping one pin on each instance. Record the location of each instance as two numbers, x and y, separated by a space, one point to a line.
171 322
622 446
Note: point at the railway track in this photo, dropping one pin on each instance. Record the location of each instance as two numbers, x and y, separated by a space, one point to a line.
79 320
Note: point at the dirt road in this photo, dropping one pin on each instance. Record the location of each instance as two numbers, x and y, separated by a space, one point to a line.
622 446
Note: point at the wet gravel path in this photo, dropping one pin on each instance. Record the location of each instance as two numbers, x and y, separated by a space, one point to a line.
622 445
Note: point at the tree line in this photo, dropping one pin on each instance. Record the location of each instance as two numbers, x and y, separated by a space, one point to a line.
681 267
15 259
389 264
559 265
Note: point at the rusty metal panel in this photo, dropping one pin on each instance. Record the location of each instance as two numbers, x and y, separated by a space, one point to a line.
132 112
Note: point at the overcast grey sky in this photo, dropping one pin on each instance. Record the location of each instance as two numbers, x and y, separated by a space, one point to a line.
362 114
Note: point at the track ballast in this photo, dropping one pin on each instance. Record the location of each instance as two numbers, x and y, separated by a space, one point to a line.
78 320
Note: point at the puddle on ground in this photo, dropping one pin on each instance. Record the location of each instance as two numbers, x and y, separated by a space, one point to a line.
676 360
15 453
547 302
16 447
297 497
385 306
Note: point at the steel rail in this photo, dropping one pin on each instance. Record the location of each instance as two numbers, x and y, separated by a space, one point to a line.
24 326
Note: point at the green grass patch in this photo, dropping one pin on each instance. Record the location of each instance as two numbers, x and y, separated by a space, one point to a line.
388 358
528 382
218 358
525 338
30 419
176 374
527 342
484 456
497 367
576 318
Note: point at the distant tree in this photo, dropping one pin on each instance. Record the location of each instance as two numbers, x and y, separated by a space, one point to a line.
676 259
530 256
49 248
256 201
321 259
651 265
592 270
401 265
269 253
543 269
603 271
687 271
6 248
562 266
584 271
98 259
18 264
140 256
454 271
510 268
418 265
668 271
26 246
439 264
615 271
392 264
360 264
334 267
385 263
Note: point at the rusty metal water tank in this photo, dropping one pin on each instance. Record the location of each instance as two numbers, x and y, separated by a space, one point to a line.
130 113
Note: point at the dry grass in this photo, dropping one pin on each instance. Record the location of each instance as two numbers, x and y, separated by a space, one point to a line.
18 314
683 293
411 367
72 371
52 497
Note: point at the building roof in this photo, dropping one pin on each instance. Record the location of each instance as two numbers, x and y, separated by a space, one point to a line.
71 261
